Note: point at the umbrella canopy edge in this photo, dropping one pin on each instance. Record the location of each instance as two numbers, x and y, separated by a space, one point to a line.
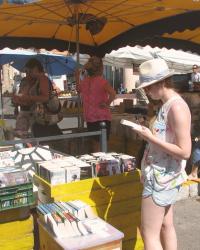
141 34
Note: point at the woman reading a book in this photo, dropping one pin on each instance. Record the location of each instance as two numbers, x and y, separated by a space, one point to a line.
164 160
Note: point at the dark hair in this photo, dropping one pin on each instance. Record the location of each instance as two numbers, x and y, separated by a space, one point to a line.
94 66
170 84
34 63
195 66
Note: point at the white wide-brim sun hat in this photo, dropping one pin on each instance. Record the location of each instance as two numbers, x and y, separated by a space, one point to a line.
153 71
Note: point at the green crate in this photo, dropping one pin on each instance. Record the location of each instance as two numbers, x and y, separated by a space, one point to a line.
16 196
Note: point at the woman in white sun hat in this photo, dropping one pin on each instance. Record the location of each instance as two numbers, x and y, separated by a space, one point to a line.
164 160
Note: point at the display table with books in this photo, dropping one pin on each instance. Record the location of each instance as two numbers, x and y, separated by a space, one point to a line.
16 170
17 196
72 225
109 183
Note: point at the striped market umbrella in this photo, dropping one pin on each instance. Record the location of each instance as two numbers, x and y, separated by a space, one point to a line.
98 26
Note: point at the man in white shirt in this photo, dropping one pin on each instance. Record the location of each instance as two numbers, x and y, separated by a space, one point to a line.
195 77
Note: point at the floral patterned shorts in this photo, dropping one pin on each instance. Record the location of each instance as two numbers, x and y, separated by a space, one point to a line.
161 198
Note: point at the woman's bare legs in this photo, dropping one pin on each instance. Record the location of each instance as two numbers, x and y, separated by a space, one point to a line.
168 233
154 220
151 222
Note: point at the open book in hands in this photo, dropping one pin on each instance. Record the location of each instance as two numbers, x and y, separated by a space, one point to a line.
133 125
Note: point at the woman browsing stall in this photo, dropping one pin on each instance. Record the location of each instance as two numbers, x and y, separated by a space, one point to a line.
97 95
163 165
38 97
23 120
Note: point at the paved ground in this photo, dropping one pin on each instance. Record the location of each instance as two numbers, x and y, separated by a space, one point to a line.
187 221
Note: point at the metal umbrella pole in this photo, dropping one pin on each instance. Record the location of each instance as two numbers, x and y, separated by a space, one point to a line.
113 76
77 35
1 94
78 61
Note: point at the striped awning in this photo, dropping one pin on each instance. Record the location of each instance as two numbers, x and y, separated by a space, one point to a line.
104 25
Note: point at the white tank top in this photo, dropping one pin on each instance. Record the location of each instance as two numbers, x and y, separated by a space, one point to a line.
162 169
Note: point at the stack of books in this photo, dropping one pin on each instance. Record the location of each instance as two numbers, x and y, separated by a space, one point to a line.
64 170
58 171
13 178
6 159
15 189
67 219
128 163
89 170
69 168
107 165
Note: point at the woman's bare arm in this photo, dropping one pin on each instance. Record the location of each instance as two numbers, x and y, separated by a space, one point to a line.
42 97
111 92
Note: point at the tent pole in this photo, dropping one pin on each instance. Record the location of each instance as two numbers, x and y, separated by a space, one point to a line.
1 93
78 61
77 36
113 76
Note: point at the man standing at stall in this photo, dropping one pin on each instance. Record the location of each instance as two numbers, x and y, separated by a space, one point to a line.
195 77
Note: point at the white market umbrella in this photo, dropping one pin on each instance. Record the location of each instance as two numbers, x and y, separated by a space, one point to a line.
179 60
127 56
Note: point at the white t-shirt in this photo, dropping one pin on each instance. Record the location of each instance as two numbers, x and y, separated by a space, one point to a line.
195 77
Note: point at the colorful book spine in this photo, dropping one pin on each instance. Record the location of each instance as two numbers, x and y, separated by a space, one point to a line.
57 211
53 213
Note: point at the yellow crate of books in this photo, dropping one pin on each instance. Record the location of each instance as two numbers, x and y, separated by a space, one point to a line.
17 235
116 199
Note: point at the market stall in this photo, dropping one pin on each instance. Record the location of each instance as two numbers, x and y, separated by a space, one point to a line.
102 181
114 195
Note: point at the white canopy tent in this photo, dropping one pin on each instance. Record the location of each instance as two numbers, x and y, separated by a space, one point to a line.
123 57
127 56
178 60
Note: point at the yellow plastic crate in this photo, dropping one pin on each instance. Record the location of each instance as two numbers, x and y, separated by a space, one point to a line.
116 199
17 235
